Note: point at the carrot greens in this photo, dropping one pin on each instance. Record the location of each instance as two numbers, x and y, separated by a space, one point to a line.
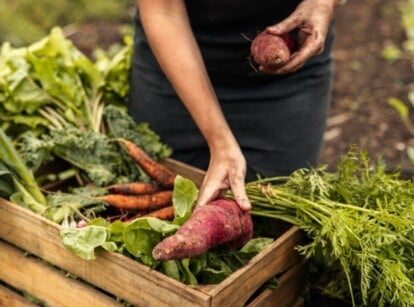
360 221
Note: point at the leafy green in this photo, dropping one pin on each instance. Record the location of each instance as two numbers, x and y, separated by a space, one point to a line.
121 125
96 154
15 173
50 84
360 220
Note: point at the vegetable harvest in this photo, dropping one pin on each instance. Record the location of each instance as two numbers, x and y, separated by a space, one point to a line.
220 221
271 51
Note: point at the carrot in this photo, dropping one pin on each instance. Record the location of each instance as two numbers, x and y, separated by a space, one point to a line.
138 202
135 188
219 222
163 176
166 213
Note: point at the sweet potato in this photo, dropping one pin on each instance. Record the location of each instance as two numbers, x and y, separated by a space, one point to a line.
271 51
219 222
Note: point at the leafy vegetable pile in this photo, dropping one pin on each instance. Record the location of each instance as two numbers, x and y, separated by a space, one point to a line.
52 85
360 221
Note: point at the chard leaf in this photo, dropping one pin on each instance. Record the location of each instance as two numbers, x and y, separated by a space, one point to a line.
256 245
184 195
84 241
141 236
187 276
171 269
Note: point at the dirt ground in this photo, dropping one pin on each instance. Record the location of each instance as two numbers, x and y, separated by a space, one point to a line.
363 81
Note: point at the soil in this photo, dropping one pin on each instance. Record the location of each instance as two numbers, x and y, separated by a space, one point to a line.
363 83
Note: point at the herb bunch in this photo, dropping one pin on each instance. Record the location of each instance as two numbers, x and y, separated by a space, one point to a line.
360 222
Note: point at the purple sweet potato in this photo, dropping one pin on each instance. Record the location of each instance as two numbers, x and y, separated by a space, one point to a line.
219 222
271 51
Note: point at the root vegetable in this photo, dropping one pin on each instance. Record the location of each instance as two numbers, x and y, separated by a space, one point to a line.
219 222
163 176
134 188
271 51
166 213
139 202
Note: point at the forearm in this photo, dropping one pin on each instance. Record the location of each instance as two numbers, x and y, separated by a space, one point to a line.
168 30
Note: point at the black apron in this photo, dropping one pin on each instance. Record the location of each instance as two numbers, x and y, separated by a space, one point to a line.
278 120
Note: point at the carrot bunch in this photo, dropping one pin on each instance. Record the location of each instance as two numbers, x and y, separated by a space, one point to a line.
144 199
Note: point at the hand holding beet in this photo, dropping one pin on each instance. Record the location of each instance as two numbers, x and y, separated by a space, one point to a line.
311 20
271 51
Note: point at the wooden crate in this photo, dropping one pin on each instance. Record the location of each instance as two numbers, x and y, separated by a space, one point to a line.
33 259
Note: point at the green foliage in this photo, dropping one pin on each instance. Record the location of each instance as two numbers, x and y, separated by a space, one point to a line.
23 22
50 84
360 223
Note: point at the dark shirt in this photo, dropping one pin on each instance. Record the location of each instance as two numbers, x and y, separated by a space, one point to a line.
224 30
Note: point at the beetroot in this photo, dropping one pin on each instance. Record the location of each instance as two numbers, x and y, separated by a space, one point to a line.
271 51
219 222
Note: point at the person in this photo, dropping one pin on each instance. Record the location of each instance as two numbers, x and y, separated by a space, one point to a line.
193 82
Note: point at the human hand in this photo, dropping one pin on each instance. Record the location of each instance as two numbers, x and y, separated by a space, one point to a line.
311 19
227 170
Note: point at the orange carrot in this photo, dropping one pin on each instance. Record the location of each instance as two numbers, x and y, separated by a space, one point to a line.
166 213
139 202
134 188
163 176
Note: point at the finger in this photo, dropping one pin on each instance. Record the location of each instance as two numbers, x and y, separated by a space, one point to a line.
211 188
310 47
285 26
239 192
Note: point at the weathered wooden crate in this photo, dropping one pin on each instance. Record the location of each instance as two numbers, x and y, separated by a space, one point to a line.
33 259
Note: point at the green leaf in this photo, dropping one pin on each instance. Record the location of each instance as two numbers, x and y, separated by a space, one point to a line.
6 183
171 269
256 245
410 153
399 106
184 197
84 241
141 236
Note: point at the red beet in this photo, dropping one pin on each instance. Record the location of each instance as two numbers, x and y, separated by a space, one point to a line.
271 51
219 222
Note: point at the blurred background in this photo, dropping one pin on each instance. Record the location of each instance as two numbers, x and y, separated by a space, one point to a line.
373 89
91 24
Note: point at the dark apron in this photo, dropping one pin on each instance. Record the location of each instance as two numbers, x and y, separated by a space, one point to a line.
278 120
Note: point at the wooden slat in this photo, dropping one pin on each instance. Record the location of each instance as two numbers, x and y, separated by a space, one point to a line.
115 273
287 293
45 282
10 298
275 259
189 172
